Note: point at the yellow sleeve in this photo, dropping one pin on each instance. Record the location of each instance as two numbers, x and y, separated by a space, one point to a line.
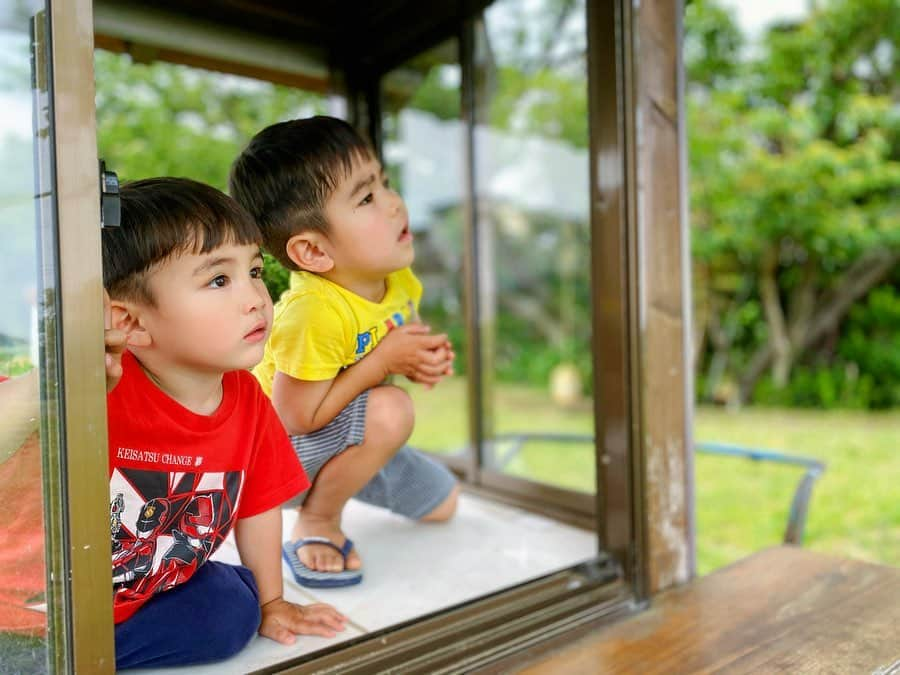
412 285
309 339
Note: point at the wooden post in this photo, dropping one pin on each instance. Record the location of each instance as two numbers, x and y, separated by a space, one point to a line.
664 295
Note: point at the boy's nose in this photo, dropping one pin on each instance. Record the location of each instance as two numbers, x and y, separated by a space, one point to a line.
256 298
397 203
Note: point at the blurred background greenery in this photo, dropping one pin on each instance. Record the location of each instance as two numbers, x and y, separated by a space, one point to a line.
794 166
795 216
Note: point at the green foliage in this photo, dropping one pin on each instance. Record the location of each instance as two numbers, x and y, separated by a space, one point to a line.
864 370
276 276
543 104
162 119
712 44
438 95
794 181
828 387
539 83
870 345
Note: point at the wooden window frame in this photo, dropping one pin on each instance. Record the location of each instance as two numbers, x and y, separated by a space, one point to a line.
628 519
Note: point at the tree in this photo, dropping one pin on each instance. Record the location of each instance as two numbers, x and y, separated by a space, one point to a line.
794 183
163 119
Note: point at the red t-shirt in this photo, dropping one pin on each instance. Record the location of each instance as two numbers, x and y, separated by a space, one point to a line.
179 480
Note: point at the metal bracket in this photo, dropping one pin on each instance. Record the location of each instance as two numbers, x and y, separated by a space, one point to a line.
110 207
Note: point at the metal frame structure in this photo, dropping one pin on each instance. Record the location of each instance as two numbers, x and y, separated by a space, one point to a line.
796 523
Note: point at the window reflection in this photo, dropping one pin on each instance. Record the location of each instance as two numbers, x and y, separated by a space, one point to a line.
423 151
23 134
531 168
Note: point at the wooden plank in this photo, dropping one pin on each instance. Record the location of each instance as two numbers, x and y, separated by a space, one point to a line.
784 610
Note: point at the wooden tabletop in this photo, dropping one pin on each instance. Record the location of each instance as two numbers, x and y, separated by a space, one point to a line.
784 610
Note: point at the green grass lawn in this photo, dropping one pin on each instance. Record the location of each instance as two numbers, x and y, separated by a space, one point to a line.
741 505
855 511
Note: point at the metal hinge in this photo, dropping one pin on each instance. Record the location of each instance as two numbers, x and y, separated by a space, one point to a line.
110 207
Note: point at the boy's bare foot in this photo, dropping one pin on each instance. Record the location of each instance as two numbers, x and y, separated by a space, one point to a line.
318 556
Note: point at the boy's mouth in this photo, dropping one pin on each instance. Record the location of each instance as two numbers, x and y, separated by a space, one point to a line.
405 234
258 333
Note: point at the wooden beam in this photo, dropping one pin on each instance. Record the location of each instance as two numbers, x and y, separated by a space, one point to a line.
664 296
146 54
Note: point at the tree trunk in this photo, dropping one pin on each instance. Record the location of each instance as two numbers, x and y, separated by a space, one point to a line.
782 353
702 313
855 284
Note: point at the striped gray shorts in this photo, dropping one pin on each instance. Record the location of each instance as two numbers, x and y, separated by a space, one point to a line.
410 484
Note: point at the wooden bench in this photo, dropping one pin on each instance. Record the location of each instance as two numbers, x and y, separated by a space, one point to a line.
784 610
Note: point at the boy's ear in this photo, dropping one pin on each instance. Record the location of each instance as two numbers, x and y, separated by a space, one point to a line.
307 253
124 317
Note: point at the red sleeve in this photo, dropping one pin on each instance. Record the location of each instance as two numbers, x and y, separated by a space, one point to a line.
274 474
3 378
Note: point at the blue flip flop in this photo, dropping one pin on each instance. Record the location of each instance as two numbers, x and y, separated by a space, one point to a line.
314 578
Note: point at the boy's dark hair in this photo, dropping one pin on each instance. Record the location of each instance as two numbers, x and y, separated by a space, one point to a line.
164 217
287 173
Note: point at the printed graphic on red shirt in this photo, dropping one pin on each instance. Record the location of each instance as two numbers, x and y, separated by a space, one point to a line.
164 526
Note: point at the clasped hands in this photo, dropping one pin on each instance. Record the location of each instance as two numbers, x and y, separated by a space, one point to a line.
413 351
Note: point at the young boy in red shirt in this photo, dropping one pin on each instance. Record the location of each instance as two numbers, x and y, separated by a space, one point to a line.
195 448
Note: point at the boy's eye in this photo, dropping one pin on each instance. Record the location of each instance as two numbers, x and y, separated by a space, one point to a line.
256 273
367 199
218 282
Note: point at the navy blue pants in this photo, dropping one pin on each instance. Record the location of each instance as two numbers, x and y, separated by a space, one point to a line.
210 617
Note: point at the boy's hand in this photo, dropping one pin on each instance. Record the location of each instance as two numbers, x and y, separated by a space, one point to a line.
282 621
442 368
115 341
412 351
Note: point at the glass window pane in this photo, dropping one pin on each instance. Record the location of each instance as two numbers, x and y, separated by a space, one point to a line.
424 140
24 191
531 169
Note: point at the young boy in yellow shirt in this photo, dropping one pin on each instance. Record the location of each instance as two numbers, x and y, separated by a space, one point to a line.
347 323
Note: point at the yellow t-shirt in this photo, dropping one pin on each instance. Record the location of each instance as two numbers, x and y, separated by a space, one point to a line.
320 327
